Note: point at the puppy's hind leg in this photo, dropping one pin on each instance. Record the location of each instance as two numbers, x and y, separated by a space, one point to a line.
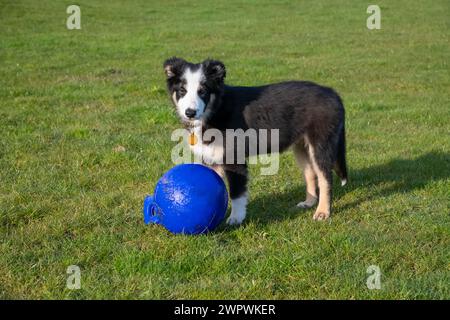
322 166
303 159
237 176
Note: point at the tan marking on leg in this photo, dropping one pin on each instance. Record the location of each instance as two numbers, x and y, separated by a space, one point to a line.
324 208
302 157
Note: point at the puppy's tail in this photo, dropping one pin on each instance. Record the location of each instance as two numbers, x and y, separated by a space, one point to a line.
341 163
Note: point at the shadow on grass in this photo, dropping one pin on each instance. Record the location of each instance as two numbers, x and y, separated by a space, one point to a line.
396 176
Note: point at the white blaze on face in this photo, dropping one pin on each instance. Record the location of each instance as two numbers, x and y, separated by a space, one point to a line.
191 99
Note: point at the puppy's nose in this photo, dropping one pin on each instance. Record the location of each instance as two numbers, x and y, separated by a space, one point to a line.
190 113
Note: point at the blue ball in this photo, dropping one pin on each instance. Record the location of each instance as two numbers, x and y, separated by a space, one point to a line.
188 199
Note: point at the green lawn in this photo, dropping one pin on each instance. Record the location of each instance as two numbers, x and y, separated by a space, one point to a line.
70 196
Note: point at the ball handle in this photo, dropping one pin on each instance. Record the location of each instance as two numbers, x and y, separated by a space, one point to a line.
150 211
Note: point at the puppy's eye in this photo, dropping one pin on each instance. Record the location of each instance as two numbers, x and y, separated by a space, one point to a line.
202 91
182 91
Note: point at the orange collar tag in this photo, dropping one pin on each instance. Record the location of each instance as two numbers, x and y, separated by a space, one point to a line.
192 139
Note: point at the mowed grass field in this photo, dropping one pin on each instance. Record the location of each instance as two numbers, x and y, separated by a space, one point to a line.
85 126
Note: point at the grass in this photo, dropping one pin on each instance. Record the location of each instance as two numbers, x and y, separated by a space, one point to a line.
71 195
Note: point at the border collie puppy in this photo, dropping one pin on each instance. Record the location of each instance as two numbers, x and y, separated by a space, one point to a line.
309 117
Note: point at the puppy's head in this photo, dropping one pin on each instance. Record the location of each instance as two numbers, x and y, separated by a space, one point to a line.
193 87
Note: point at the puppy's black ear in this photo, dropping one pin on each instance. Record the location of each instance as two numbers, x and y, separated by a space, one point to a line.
173 67
214 70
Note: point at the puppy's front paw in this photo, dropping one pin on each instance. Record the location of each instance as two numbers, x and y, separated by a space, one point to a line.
238 210
320 215
233 220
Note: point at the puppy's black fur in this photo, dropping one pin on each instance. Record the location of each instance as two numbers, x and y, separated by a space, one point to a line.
310 117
